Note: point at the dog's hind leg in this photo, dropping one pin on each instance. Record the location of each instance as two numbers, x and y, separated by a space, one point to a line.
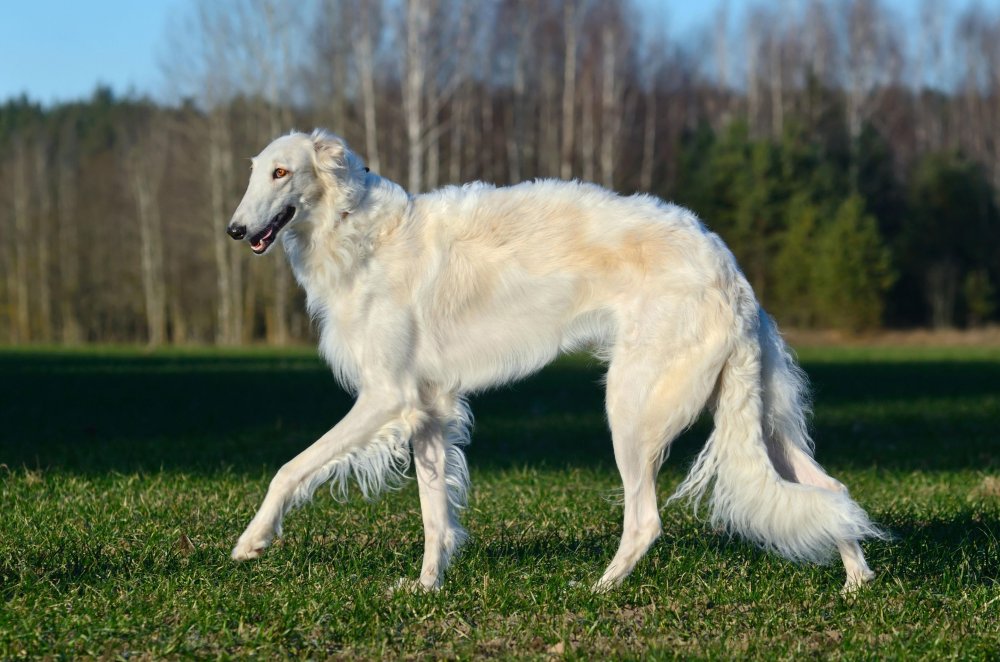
806 470
788 444
649 403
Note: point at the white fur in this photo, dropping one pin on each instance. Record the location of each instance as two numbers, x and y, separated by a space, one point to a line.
421 300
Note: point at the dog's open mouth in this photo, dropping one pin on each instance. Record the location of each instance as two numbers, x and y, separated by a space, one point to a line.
261 241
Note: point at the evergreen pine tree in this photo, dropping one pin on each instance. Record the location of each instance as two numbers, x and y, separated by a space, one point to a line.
793 299
853 269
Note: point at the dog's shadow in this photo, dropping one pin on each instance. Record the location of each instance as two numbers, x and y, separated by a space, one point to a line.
964 548
203 413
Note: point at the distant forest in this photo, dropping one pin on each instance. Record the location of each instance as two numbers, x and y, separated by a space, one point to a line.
850 159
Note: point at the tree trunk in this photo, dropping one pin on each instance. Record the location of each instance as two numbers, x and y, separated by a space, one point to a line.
458 121
417 19
145 164
10 286
487 152
342 39
777 87
753 82
516 142
588 129
721 42
548 138
569 89
370 11
219 177
22 312
69 245
648 140
43 235
611 107
432 147
942 292
179 332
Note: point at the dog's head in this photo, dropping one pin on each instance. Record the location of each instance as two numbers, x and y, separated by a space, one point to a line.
290 180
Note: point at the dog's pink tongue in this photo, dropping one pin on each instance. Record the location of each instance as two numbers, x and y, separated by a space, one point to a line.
263 240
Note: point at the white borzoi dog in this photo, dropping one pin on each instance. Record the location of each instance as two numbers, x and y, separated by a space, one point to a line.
423 299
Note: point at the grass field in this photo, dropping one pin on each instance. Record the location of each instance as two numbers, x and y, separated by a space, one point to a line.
127 477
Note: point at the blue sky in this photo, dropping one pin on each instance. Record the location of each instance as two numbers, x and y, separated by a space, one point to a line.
61 49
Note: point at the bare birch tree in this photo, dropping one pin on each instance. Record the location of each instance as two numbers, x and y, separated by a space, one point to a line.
207 73
68 242
275 61
519 21
653 65
776 78
145 156
42 230
462 96
931 79
21 255
864 22
612 106
755 75
571 27
588 117
369 14
722 52
415 29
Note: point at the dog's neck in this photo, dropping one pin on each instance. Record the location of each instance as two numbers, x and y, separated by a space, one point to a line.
334 242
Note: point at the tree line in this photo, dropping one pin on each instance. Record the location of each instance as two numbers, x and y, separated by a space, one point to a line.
849 159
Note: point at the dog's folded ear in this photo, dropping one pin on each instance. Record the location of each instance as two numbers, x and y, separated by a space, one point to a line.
328 151
340 169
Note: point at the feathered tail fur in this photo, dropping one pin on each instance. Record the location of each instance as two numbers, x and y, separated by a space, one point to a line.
759 444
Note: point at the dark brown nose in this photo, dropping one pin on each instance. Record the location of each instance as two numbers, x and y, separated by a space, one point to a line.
236 231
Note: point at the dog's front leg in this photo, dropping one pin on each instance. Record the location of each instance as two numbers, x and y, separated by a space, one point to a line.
299 477
442 533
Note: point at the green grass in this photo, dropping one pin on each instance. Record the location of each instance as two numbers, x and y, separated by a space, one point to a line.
113 459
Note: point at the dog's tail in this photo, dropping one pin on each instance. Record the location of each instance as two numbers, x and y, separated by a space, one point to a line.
760 422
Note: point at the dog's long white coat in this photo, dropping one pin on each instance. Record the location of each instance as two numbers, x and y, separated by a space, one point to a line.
421 300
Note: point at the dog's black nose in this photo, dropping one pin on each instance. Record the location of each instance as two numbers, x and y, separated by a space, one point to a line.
236 231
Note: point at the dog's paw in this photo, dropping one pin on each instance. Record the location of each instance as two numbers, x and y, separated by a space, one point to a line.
856 581
404 585
248 548
605 585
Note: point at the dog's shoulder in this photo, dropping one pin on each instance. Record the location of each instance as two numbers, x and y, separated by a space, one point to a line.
452 201
455 193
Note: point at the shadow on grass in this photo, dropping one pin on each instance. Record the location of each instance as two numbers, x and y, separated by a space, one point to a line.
205 412
965 549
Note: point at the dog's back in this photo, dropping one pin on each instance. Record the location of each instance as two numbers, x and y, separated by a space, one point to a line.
510 276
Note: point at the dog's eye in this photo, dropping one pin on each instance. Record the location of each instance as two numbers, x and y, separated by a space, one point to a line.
279 173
